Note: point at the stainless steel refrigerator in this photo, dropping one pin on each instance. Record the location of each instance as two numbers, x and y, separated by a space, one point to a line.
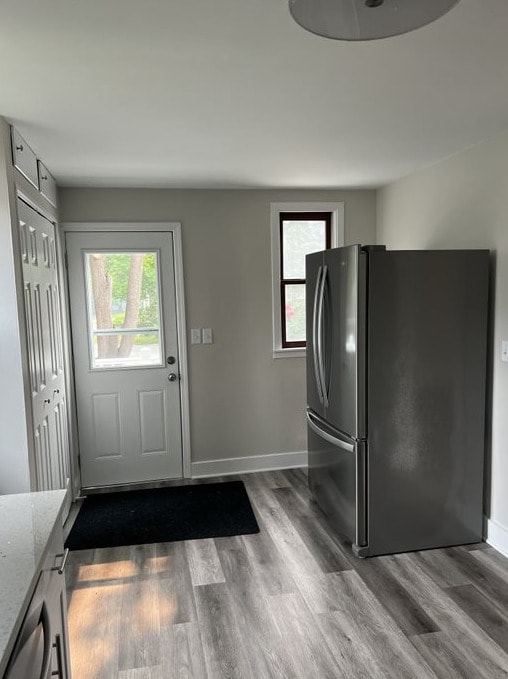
396 380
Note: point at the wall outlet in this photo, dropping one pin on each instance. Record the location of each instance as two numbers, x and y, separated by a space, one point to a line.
504 351
195 336
207 336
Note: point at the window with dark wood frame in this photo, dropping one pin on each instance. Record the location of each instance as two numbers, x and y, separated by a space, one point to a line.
293 283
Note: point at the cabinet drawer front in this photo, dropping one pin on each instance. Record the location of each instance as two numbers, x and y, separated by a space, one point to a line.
24 158
47 183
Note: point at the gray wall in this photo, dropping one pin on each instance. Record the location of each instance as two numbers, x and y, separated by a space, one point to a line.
242 401
462 203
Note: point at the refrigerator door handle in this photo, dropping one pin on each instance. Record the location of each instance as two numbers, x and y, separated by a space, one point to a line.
317 373
334 440
320 333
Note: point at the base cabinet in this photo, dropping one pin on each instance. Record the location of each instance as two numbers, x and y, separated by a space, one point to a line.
41 650
57 610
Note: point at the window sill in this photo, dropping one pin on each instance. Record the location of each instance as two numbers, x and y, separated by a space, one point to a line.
299 352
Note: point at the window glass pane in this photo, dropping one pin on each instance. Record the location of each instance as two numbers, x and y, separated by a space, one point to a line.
123 309
294 312
300 238
144 349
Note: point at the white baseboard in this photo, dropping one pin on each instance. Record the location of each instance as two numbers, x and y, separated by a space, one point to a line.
497 537
244 465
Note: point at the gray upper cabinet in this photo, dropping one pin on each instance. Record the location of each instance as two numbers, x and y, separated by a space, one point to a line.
47 184
24 159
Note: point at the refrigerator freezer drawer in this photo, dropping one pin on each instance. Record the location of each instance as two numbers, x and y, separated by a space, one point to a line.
337 480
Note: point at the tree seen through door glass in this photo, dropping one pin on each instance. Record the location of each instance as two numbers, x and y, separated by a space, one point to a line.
123 309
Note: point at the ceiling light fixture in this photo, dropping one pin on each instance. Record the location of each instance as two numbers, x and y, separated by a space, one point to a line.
366 19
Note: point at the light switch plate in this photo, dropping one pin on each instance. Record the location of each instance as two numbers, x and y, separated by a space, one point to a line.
195 335
207 336
504 351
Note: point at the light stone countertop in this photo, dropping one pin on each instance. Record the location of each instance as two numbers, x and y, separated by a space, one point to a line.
26 523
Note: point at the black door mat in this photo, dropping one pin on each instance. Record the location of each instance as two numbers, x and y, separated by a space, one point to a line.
137 517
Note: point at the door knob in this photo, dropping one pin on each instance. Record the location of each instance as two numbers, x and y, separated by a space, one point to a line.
172 377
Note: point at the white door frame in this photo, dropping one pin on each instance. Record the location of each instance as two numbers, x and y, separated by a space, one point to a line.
175 228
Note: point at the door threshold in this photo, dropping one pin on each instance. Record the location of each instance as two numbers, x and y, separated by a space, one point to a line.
135 485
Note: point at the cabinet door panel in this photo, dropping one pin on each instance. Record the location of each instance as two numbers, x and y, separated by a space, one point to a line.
47 184
24 159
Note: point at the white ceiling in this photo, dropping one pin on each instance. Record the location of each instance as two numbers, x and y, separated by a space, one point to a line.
233 93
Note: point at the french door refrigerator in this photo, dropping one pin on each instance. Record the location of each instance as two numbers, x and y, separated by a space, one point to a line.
396 380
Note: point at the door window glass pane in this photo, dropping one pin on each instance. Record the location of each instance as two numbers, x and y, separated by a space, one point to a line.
123 309
294 310
300 238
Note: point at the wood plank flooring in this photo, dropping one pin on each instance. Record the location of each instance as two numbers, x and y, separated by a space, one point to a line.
290 602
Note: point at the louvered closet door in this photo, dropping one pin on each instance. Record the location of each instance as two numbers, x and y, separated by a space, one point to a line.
45 348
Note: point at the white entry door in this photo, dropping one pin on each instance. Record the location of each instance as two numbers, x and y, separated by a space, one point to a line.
45 348
125 343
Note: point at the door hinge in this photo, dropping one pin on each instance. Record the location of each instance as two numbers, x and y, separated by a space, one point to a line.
66 260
